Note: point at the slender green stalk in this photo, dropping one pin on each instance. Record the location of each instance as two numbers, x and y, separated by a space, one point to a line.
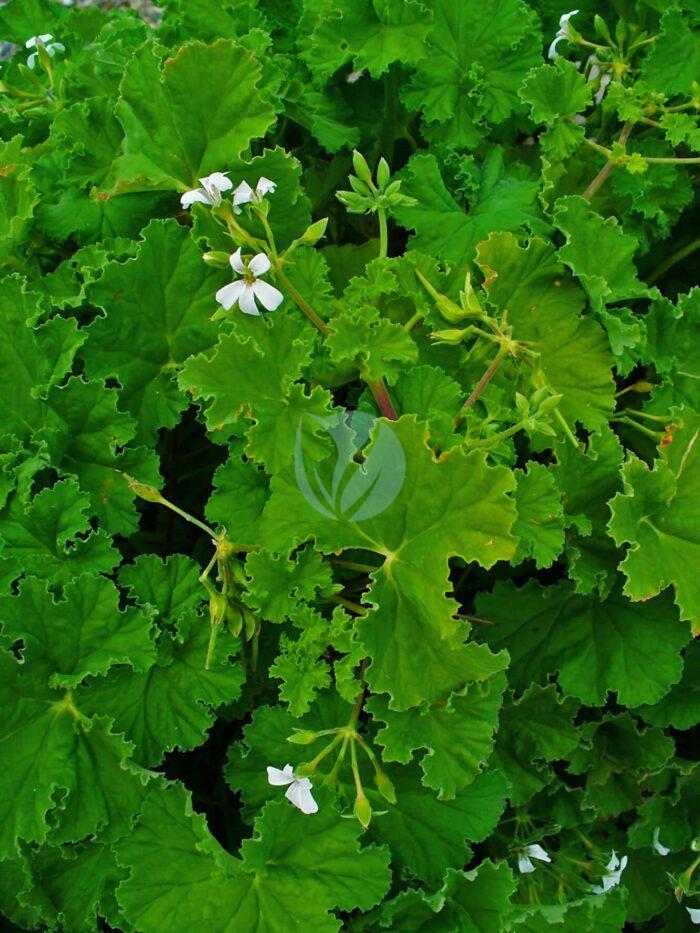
383 233
674 258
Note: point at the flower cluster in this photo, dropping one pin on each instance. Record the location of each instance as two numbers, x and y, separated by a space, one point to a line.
43 43
244 291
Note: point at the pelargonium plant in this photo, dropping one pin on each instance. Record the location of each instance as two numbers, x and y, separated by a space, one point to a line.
349 466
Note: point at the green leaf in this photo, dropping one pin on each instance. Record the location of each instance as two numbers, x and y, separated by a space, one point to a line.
595 646
588 480
377 346
178 127
32 359
543 308
540 522
656 516
201 882
18 198
173 703
56 756
672 333
372 34
171 587
457 735
83 633
555 91
534 730
157 309
672 63
279 587
680 707
49 536
252 374
505 199
455 506
428 835
477 57
598 252
429 393
238 499
69 884
84 433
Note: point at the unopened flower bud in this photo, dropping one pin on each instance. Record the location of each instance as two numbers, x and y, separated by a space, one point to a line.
218 605
359 164
451 337
314 233
302 737
148 493
384 786
216 258
362 810
383 173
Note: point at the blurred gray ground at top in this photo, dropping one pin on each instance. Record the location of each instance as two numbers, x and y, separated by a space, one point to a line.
150 12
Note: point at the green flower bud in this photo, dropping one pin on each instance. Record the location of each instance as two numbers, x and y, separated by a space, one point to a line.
383 173
234 617
601 27
314 233
358 186
302 737
363 810
384 786
249 622
471 302
148 493
451 337
359 164
218 606
216 258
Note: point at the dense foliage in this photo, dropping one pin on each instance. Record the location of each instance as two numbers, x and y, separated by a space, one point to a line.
350 503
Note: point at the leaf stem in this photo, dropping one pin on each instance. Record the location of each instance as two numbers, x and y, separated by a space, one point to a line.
482 383
302 303
602 175
674 258
383 233
381 397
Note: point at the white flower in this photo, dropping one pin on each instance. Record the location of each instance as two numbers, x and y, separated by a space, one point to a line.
536 851
564 33
611 878
246 290
694 914
46 42
354 77
661 849
210 192
244 194
299 790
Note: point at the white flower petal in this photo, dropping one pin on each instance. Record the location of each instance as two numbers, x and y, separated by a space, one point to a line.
564 19
354 76
236 262
56 47
265 186
525 866
661 849
218 180
196 194
552 53
280 778
230 294
259 264
268 296
247 301
243 194
300 795
31 61
694 914
32 42
536 851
